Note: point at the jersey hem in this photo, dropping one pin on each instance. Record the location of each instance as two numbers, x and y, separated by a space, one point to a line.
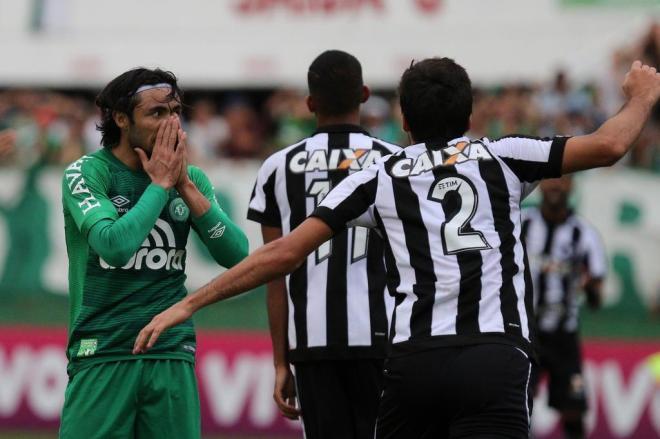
84 364
413 346
336 353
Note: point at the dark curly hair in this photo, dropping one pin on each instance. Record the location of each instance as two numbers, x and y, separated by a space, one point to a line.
335 82
436 100
119 95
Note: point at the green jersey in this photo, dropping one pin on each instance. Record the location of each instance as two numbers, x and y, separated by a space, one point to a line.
110 304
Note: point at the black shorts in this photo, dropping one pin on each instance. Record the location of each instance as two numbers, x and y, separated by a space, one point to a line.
561 359
339 398
479 391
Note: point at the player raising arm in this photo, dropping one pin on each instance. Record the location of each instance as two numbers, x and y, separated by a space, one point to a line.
449 210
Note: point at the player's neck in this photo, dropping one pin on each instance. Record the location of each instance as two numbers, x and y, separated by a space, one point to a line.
127 155
352 118
554 214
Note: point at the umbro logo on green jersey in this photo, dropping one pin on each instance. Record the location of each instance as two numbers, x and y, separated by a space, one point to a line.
119 200
158 251
217 231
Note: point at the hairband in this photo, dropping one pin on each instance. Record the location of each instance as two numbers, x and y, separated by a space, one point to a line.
151 86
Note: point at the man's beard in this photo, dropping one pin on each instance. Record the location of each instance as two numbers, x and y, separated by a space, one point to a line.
137 141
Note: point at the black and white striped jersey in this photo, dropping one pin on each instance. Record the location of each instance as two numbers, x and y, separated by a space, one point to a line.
338 306
450 218
560 255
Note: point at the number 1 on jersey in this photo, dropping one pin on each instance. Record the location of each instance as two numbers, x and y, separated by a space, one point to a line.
317 190
455 237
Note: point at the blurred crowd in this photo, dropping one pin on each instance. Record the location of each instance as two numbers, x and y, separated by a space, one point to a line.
58 127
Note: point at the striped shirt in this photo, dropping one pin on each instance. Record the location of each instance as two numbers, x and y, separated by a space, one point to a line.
337 298
450 218
560 255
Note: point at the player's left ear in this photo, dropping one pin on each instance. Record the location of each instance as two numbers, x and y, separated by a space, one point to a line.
311 105
365 94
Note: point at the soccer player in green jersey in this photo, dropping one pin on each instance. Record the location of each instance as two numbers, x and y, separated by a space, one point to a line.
128 209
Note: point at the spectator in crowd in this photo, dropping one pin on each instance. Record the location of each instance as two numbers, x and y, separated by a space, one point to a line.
207 130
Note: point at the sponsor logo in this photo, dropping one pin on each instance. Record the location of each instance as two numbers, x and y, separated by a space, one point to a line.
78 187
187 347
158 251
429 160
119 201
336 159
179 211
87 347
217 231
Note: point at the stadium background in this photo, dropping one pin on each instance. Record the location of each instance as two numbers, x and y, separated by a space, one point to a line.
539 67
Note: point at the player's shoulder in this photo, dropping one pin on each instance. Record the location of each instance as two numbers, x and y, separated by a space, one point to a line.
90 165
388 147
278 158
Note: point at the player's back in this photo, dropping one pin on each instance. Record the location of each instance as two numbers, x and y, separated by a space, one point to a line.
337 306
450 214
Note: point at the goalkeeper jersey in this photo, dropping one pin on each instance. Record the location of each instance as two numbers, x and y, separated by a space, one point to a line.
109 305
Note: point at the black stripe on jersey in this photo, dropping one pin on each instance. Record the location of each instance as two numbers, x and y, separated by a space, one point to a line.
417 242
336 297
271 214
351 207
529 283
469 265
498 192
393 276
531 171
297 279
376 270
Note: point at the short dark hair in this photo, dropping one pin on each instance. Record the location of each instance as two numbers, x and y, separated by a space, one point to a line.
120 95
436 100
335 83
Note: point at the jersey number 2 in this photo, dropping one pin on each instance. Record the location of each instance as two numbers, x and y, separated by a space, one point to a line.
317 190
456 237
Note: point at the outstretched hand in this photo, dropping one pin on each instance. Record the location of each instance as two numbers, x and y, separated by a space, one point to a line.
172 316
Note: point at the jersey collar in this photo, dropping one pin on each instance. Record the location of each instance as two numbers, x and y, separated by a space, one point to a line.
340 128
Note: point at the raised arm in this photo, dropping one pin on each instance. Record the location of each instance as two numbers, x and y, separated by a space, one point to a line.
614 138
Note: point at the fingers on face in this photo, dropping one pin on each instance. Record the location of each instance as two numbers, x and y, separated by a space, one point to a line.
636 64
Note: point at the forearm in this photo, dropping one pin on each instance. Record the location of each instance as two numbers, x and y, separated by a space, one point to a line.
265 264
117 240
625 127
276 298
225 240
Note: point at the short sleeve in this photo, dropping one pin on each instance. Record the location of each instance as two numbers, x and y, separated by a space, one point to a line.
351 202
263 207
531 159
85 193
